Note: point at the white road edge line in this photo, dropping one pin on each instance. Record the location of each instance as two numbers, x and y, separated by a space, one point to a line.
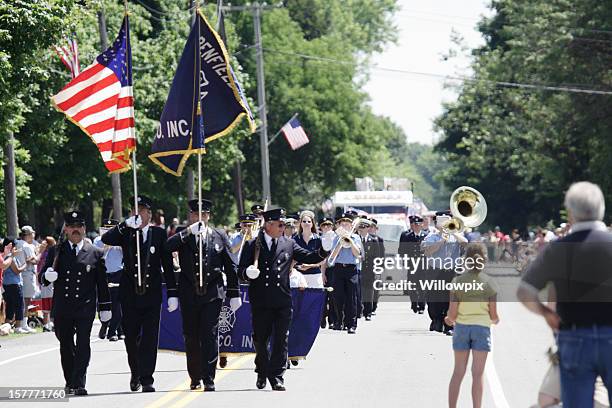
10 360
499 398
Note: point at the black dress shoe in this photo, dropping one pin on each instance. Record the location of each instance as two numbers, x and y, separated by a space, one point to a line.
222 362
209 386
352 330
261 383
195 385
102 332
113 338
368 318
294 362
80 391
448 332
278 386
148 388
134 383
69 390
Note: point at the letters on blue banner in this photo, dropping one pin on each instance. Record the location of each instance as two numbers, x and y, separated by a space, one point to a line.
235 329
205 101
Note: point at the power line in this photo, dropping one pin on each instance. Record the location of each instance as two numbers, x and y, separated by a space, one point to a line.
507 84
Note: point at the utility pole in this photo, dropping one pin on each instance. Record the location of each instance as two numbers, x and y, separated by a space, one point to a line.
115 177
10 187
256 9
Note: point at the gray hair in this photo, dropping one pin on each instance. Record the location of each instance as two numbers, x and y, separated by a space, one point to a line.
585 201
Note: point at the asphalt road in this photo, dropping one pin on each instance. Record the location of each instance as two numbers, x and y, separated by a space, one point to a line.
394 360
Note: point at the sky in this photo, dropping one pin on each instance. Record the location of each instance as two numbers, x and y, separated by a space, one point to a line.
425 30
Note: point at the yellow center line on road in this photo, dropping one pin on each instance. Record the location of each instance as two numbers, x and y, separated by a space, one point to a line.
180 388
220 374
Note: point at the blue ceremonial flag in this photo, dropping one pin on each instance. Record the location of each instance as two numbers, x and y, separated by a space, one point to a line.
236 331
205 101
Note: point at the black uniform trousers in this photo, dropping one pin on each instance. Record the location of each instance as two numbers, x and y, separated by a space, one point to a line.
329 307
114 325
74 356
438 302
201 333
141 329
346 283
267 323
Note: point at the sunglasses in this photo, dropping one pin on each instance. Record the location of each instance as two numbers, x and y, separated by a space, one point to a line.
306 222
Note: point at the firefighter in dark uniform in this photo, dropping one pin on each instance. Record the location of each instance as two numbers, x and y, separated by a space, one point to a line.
410 244
373 230
265 263
140 292
202 291
79 283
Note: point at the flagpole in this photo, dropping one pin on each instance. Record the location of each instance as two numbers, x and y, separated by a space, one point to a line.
140 287
200 138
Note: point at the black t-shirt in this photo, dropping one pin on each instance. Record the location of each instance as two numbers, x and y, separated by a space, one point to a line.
580 268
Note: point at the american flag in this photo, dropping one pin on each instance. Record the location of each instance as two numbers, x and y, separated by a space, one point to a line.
69 55
294 133
99 100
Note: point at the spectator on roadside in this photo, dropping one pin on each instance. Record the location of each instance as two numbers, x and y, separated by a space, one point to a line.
13 287
471 313
46 292
578 267
30 286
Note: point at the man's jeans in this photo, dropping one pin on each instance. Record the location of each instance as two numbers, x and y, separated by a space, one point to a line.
585 353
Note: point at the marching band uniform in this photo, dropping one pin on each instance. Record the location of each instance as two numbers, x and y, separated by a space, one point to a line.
371 249
79 280
201 304
410 244
140 304
380 254
329 309
346 281
270 297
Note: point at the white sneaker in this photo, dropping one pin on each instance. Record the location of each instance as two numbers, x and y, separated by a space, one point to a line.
30 330
21 330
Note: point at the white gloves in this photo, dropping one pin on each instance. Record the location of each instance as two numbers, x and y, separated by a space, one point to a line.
134 222
235 303
172 304
105 315
327 241
252 272
50 275
197 228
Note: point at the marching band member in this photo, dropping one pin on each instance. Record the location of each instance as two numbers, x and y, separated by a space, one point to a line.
201 297
344 259
370 247
307 238
140 291
410 244
326 227
266 263
79 279
373 231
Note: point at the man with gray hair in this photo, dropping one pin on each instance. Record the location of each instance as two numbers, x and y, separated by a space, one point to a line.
579 269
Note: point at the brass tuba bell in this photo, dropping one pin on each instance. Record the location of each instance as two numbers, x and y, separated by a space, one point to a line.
468 206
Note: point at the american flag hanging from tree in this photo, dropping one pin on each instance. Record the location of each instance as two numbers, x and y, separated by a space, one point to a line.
294 133
99 101
69 55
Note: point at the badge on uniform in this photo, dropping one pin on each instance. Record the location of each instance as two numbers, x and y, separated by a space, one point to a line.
286 256
152 249
88 268
217 247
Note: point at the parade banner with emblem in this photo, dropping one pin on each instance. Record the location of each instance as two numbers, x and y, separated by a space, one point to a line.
235 329
205 101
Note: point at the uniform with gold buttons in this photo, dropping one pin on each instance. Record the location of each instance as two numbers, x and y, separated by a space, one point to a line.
141 297
201 296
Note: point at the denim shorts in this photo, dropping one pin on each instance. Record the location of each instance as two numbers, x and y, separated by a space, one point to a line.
471 337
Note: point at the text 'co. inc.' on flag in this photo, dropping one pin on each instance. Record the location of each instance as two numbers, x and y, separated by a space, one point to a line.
205 101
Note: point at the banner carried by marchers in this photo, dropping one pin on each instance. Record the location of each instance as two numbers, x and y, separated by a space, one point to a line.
236 331
205 101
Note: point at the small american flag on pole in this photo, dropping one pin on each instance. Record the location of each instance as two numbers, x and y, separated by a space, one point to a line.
99 101
69 55
294 133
